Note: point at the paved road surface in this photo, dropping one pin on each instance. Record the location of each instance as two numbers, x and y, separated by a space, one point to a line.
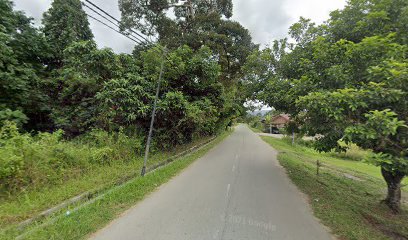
236 191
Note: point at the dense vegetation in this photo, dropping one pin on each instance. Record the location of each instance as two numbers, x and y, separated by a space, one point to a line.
345 80
60 94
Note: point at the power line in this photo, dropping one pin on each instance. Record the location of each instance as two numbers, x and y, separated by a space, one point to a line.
131 30
130 37
93 10
160 49
118 21
94 18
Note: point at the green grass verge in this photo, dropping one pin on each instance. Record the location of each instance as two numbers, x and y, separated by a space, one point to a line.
95 215
351 208
30 202
257 130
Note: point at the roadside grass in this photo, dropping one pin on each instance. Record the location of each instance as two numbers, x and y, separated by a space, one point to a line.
345 195
350 162
353 153
93 215
254 129
31 202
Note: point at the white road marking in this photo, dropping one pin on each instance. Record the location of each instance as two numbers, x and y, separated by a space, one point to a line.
215 236
233 168
228 189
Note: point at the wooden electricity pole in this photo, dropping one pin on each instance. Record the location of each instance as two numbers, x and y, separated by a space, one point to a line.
190 9
149 137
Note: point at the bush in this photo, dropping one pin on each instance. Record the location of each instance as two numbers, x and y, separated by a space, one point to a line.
47 159
123 146
102 155
353 153
15 116
12 147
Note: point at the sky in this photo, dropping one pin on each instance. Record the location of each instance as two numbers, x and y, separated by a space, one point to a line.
267 20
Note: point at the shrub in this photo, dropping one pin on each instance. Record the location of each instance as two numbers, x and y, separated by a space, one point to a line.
15 116
49 159
102 155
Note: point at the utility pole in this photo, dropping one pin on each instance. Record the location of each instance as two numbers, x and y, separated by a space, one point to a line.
191 9
214 5
149 137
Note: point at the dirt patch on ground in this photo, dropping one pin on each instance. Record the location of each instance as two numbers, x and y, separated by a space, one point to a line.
352 177
383 228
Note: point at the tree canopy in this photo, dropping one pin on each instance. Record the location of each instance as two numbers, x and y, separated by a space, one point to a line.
345 80
65 22
55 77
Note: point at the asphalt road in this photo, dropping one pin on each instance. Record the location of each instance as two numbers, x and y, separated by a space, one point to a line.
236 191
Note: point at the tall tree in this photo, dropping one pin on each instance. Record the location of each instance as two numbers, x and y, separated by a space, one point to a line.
151 16
196 23
23 51
365 18
64 23
83 74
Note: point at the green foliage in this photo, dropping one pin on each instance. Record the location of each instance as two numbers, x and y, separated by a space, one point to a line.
86 72
347 80
57 78
378 133
152 19
65 23
124 101
18 117
191 97
22 50
228 40
366 18
47 159
337 81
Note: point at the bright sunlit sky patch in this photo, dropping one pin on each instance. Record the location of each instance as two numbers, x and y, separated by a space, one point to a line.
267 20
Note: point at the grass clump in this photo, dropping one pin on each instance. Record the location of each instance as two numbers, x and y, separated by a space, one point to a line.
345 195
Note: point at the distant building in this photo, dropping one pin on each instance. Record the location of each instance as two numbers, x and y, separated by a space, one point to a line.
280 121
276 123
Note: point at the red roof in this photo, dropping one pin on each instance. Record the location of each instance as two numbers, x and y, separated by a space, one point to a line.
280 119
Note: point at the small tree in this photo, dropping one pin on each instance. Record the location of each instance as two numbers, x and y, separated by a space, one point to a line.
373 116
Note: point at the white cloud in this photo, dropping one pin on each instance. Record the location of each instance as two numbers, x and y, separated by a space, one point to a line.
317 10
268 20
32 8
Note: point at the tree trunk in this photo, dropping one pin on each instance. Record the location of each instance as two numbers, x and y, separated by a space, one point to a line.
393 179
